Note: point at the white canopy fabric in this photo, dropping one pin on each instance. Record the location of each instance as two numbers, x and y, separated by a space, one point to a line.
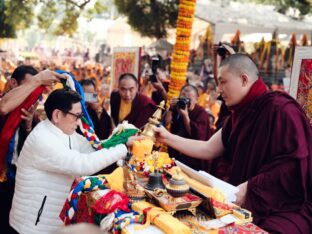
228 16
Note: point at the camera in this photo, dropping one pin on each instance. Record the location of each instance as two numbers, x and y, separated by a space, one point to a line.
221 51
153 78
183 102
155 66
91 97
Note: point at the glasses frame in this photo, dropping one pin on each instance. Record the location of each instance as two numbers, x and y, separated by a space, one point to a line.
78 116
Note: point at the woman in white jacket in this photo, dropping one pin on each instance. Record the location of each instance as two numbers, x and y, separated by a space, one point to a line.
52 156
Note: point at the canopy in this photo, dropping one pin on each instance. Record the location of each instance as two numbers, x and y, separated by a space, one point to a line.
248 18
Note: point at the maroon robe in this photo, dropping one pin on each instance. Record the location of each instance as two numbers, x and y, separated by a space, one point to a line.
142 108
103 125
200 130
103 128
271 148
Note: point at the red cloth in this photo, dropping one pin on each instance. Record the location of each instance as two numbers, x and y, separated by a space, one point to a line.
110 202
12 124
257 89
271 147
142 108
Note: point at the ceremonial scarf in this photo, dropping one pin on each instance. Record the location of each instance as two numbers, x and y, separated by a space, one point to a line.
87 127
13 121
256 90
79 90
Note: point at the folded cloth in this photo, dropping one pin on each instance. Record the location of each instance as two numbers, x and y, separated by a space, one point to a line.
163 220
207 191
115 179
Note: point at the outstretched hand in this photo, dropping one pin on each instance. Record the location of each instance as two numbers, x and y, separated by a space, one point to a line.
48 77
161 134
133 139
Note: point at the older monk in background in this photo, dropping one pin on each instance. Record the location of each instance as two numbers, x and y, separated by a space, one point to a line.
128 104
268 141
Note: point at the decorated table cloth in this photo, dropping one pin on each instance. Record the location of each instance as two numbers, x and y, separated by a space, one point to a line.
81 206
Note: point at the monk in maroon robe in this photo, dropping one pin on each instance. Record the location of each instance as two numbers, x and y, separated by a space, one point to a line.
128 104
268 140
191 122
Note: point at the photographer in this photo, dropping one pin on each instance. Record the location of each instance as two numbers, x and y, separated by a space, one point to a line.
102 121
158 79
161 85
188 120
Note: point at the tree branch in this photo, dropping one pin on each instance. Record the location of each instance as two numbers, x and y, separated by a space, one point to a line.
81 6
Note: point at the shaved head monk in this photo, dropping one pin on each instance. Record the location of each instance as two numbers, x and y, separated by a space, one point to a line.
128 104
268 141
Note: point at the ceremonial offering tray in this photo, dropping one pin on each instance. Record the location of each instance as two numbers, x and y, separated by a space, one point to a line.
172 204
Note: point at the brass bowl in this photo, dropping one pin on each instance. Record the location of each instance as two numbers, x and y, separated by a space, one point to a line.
177 190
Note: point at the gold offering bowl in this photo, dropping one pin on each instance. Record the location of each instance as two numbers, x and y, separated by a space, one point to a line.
177 186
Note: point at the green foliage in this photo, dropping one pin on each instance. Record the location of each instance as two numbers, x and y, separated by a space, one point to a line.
47 14
57 17
150 18
6 29
68 24
304 6
14 15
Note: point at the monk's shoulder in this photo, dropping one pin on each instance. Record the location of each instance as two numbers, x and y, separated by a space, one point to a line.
277 101
144 100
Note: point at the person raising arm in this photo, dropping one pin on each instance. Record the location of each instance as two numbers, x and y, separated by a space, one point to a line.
19 93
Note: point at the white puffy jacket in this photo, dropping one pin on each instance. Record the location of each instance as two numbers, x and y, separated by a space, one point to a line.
49 162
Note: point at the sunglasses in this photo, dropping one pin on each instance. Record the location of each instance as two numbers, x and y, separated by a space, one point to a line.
78 116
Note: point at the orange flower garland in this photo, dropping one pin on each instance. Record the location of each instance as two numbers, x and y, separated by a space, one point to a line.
181 49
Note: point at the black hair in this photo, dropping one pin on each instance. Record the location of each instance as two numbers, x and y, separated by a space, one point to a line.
61 99
20 72
87 82
192 86
128 75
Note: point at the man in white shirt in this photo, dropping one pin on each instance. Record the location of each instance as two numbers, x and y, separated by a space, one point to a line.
52 156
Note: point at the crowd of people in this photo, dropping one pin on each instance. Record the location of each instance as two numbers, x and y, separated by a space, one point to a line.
233 117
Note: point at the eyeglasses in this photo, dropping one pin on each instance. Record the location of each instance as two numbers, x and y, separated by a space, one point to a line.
78 116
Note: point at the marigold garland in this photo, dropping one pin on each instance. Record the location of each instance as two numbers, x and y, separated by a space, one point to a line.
181 50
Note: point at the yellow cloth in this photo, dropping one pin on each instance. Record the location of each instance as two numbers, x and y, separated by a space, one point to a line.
215 109
166 222
204 189
115 179
124 110
142 148
202 100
